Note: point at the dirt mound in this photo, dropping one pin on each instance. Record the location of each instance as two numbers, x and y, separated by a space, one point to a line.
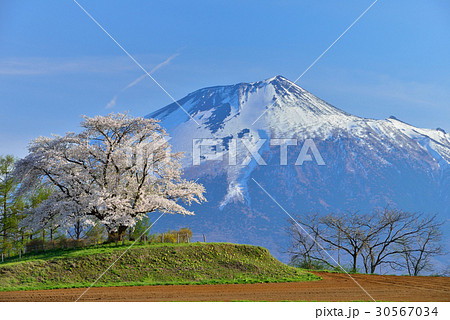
193 263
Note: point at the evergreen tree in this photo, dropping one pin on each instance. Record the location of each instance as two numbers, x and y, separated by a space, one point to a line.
10 204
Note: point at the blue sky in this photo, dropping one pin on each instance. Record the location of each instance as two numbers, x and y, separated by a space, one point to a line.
56 64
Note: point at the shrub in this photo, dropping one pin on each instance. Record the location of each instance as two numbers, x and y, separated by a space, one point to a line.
309 264
185 235
35 245
182 235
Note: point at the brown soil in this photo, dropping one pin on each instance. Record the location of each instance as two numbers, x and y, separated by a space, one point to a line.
333 287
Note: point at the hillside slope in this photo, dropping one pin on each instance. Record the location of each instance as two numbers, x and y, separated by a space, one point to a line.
149 265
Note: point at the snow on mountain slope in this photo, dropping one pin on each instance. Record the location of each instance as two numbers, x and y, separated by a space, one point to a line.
368 162
229 112
436 142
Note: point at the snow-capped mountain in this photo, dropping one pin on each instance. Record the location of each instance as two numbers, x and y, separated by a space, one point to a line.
366 162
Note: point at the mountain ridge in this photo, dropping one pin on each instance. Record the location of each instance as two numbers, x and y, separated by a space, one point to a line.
368 162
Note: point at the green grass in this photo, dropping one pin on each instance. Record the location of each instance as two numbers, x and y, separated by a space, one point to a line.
168 264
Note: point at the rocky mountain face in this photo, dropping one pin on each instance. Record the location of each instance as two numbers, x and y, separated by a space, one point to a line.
307 154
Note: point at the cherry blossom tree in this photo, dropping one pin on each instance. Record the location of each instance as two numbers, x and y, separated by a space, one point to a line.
116 171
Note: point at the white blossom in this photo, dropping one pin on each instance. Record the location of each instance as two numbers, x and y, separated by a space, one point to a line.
115 171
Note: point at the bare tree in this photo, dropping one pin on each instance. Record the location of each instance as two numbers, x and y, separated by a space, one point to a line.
395 233
417 255
304 249
320 236
347 233
389 236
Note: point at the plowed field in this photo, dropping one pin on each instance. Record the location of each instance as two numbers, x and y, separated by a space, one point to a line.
333 287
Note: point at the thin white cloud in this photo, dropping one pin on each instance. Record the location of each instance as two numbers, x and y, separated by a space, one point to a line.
113 101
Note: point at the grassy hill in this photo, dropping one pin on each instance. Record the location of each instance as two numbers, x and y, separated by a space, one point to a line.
196 263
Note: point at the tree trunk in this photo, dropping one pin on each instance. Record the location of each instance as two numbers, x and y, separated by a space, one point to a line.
354 266
373 268
5 217
117 235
